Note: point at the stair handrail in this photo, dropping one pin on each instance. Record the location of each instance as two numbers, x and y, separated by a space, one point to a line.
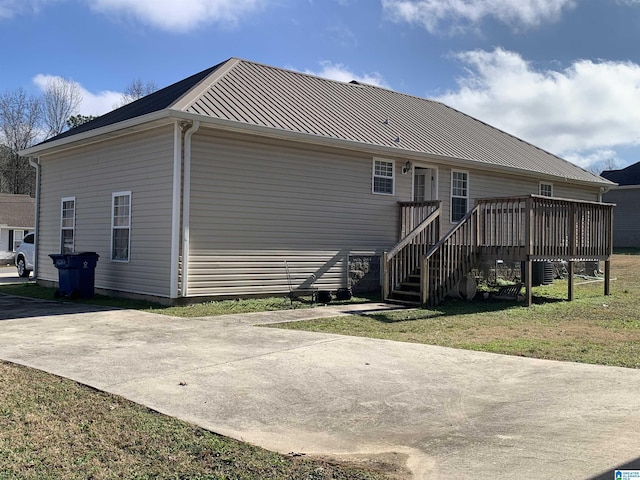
451 232
429 295
413 233
389 257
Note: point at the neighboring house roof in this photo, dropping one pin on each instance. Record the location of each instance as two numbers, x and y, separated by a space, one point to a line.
625 176
17 210
244 92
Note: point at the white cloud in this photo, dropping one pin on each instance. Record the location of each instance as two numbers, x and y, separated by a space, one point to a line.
456 14
584 110
92 103
11 8
341 73
180 16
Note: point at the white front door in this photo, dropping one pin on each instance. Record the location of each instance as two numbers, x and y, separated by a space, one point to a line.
424 184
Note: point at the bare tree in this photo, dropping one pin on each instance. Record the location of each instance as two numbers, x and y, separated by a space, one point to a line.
20 117
60 101
136 90
76 120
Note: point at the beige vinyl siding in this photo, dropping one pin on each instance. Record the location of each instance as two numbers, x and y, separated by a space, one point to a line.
255 205
140 163
485 184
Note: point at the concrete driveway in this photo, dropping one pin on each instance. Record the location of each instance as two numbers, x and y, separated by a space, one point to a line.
441 413
9 274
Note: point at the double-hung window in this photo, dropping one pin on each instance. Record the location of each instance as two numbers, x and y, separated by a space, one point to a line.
120 226
459 195
383 177
67 224
546 189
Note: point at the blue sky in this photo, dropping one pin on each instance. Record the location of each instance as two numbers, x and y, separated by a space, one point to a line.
561 74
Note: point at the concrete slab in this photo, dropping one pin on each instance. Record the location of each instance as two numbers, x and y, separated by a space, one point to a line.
449 413
9 274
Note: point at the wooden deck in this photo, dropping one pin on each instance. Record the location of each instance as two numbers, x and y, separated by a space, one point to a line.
516 229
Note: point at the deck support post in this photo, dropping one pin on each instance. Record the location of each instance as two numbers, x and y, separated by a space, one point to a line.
607 277
385 276
570 271
424 281
528 280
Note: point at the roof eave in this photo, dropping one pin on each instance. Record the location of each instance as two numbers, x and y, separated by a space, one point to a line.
240 127
43 148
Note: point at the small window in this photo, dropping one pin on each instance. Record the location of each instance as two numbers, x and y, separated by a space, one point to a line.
16 237
120 226
67 224
383 177
546 189
459 195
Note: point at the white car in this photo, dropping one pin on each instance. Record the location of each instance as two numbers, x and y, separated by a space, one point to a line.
25 255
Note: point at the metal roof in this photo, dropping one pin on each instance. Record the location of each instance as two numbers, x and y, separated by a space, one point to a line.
255 94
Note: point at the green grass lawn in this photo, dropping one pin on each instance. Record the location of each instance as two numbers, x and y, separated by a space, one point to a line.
203 309
591 329
53 428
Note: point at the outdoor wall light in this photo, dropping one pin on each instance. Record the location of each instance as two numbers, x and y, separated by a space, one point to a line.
406 168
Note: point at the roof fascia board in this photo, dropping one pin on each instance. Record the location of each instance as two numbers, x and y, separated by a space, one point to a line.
97 132
626 187
238 127
196 92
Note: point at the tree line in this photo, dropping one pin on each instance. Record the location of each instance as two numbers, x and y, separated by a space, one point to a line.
26 120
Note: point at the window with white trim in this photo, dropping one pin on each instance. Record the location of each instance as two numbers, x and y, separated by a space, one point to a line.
67 224
16 237
546 189
120 226
383 177
459 195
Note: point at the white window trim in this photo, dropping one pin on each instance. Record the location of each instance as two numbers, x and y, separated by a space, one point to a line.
451 196
392 177
113 227
73 227
546 184
15 244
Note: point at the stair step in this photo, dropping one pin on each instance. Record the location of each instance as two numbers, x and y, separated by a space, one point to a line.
406 303
408 293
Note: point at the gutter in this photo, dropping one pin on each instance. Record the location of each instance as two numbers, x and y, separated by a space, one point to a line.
270 132
388 151
186 206
36 164
175 211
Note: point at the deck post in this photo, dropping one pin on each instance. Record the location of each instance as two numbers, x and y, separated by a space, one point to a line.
385 276
607 277
570 271
528 280
424 280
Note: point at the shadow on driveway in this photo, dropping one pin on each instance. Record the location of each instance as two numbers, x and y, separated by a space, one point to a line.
12 308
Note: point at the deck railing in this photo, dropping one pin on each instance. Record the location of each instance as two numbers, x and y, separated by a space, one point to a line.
405 257
449 260
413 214
538 227
527 228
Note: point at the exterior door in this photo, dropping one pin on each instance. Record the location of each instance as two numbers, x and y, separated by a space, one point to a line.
424 184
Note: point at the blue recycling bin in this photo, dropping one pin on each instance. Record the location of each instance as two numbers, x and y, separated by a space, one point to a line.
76 274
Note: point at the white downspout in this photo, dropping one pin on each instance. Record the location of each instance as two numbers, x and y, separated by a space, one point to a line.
175 213
186 206
36 164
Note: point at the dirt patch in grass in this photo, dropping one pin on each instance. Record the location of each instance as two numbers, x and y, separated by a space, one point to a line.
592 329
55 428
